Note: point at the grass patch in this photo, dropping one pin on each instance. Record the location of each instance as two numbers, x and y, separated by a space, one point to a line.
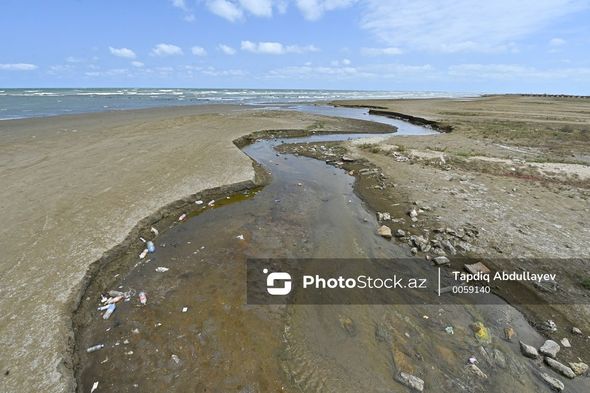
586 283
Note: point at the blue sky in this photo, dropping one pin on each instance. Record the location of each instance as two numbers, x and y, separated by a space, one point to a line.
454 45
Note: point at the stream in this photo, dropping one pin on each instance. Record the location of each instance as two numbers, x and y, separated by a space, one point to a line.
196 333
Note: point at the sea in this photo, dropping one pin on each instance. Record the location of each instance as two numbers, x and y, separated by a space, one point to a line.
26 103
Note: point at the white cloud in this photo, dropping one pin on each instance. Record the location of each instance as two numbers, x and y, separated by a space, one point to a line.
18 67
275 48
390 51
198 51
122 52
516 72
166 50
557 42
228 50
179 4
212 71
314 9
461 25
225 9
257 7
137 64
373 71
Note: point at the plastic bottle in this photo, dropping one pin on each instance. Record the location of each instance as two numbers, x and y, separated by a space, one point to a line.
142 298
150 246
95 348
110 309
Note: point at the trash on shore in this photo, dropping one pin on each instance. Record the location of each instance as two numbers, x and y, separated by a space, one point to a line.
175 358
94 348
211 202
143 253
142 298
94 386
155 231
110 309
449 330
150 247
472 360
162 269
182 217
241 237
184 309
199 202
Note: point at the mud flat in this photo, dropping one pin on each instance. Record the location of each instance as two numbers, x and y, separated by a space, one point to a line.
513 168
74 187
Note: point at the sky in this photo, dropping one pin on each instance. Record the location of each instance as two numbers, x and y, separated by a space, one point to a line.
537 46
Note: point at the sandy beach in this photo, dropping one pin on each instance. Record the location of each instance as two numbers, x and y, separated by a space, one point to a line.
73 187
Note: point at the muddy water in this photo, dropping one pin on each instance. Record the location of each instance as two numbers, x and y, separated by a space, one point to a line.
197 334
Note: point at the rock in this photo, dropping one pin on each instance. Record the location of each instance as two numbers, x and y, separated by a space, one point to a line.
509 333
448 247
566 343
414 250
554 383
550 348
418 240
579 368
575 330
400 233
477 268
384 231
560 367
347 159
410 381
386 216
499 358
472 368
528 350
425 247
442 260
413 213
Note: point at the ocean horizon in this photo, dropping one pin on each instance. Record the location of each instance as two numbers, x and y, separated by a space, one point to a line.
20 103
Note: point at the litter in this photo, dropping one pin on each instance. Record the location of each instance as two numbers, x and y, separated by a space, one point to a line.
175 358
142 298
155 231
114 293
161 269
182 217
143 253
449 330
241 237
211 202
142 239
150 247
184 309
472 360
95 348
94 387
199 202
110 309
116 299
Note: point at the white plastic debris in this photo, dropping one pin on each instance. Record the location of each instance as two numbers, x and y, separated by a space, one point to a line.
94 387
110 309
162 269
155 231
211 202
449 330
184 309
143 253
175 358
472 360
199 202
241 237
182 217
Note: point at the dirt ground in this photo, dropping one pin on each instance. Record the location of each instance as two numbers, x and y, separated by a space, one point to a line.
509 184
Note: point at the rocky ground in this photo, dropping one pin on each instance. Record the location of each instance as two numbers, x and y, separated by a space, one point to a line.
517 203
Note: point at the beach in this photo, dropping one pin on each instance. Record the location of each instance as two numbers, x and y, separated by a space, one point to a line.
74 187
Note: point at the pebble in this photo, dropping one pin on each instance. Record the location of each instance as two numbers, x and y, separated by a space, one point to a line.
579 368
410 381
400 233
528 350
384 231
560 367
566 343
442 260
575 330
549 348
554 383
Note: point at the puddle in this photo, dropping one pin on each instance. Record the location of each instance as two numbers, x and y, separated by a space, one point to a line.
220 344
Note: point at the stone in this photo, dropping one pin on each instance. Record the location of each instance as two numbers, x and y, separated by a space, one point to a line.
477 268
472 368
550 326
414 250
499 358
528 350
400 233
554 383
410 381
579 368
442 260
413 213
560 367
566 343
575 330
448 247
549 348
347 159
384 231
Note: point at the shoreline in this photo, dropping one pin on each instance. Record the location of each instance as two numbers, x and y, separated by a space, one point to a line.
91 134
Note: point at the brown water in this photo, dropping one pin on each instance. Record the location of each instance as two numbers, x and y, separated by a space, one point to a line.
221 344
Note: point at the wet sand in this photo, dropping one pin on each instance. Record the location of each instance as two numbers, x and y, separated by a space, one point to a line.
74 187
